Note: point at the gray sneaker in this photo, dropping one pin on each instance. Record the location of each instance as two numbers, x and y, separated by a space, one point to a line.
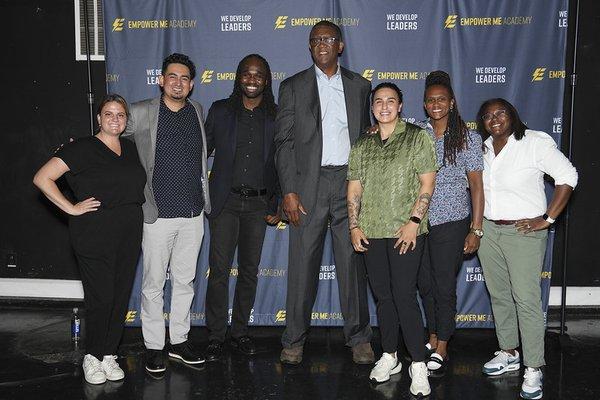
532 384
501 363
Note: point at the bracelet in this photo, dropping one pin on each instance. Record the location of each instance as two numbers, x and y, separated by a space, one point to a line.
354 227
548 219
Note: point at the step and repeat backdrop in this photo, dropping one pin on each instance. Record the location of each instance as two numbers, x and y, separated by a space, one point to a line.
512 49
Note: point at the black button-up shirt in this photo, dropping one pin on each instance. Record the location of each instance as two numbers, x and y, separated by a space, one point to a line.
249 164
177 178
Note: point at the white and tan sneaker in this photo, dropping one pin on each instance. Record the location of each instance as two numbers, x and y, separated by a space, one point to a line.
111 368
92 370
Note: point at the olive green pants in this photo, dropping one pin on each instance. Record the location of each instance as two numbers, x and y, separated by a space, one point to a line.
512 266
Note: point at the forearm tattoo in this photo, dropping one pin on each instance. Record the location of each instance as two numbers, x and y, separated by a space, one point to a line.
422 204
353 210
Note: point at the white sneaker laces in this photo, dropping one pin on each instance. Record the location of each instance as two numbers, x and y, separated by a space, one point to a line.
111 362
94 365
420 376
502 356
530 377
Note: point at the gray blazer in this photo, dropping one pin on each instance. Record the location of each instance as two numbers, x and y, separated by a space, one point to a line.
141 129
298 132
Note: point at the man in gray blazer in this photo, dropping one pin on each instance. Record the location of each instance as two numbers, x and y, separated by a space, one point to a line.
321 111
169 135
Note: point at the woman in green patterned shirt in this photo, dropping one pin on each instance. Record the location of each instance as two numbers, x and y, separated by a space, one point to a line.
391 177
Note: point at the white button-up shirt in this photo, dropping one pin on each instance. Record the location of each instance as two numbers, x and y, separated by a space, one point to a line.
334 120
513 181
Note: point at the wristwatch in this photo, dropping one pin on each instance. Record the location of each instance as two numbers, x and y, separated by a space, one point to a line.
548 219
415 219
477 232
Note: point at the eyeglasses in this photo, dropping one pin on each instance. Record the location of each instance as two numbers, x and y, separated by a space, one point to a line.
328 40
498 114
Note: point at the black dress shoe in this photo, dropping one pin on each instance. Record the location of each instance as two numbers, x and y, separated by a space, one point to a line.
214 350
155 361
244 345
186 353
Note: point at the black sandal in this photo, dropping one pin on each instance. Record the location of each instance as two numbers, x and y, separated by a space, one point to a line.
436 362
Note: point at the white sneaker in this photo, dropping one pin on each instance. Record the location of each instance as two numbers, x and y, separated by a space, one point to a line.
111 368
419 385
501 363
92 370
387 365
532 384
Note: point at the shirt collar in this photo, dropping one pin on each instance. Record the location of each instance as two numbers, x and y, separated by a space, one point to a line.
398 130
429 128
260 107
322 75
164 106
490 146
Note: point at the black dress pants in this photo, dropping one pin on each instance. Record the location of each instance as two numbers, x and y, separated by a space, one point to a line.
442 259
107 245
241 223
393 279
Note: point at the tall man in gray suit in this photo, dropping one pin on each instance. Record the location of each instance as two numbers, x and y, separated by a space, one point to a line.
169 135
321 111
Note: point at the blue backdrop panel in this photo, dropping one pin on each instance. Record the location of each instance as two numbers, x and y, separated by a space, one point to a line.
512 49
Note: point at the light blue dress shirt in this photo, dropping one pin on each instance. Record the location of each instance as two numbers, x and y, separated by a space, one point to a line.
334 120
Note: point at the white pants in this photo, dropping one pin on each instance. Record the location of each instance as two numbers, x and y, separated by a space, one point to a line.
172 243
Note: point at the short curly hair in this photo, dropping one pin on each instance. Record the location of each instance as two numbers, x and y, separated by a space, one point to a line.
177 58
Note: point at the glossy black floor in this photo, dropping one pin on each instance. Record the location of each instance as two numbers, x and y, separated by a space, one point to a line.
38 361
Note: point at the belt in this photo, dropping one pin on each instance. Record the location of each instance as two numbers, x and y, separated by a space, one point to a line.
503 221
246 192
334 167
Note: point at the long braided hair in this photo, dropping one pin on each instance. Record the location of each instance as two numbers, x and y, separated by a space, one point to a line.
235 99
456 133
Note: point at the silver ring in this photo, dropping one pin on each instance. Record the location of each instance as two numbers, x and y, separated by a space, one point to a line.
528 226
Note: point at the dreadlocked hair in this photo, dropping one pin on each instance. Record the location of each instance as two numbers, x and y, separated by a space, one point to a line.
456 133
235 99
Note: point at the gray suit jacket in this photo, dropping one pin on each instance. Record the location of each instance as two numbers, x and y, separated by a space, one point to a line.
298 131
141 128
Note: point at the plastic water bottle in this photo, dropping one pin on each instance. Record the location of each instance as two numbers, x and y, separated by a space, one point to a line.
75 326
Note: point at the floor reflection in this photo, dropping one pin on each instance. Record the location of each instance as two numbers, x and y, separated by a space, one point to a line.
40 362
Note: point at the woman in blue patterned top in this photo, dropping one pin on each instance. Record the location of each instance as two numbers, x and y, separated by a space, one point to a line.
454 230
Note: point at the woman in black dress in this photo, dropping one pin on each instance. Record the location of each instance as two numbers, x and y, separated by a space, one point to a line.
105 226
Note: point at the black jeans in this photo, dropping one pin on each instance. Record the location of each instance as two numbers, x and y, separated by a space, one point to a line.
442 259
393 279
241 223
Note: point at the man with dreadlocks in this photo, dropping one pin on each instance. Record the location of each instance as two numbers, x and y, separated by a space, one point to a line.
454 230
243 182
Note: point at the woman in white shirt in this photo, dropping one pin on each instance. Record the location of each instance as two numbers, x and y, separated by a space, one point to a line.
516 219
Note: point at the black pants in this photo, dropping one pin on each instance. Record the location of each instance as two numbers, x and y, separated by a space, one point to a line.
393 279
107 245
442 259
241 223
305 255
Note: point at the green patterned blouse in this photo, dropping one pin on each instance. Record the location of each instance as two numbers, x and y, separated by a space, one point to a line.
389 174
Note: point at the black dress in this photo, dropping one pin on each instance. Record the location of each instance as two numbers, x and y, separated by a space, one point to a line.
106 242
